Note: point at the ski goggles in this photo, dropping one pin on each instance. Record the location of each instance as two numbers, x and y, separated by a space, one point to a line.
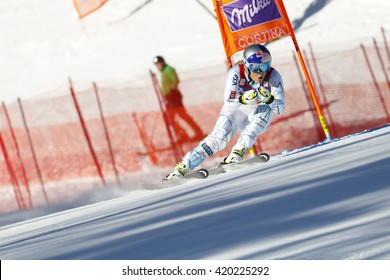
259 67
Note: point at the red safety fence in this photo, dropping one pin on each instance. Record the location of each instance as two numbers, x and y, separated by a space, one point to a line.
99 136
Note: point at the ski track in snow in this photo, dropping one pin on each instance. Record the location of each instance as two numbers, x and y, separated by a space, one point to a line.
326 201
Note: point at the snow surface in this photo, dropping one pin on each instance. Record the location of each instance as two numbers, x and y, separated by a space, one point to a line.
327 201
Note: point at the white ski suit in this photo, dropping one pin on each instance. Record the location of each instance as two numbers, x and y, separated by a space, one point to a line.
252 120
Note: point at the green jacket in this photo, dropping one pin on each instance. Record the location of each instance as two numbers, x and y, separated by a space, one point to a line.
169 80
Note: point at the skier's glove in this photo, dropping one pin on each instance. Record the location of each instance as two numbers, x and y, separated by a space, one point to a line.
265 96
250 97
258 96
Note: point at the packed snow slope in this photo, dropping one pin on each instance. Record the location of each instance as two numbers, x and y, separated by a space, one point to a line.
326 201
43 42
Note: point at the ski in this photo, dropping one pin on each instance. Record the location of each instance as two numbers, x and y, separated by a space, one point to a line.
196 175
260 158
222 167
205 173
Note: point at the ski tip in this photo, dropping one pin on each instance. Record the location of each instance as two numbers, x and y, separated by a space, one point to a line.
264 156
203 172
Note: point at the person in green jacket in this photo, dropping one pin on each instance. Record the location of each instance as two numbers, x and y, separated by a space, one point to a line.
174 101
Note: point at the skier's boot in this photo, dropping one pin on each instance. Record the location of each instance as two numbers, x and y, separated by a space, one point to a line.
236 155
180 170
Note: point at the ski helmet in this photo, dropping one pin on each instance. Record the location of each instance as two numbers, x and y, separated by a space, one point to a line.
257 58
158 58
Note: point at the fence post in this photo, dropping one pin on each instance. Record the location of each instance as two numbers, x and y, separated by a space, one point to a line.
106 133
86 134
24 174
32 149
382 63
385 40
148 145
18 195
375 82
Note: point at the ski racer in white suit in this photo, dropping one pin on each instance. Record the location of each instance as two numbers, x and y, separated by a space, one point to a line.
253 94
